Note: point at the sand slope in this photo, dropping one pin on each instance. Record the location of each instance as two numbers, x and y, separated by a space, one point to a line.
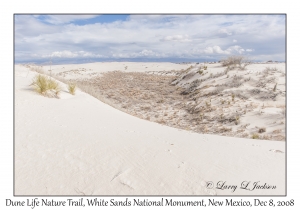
77 145
218 100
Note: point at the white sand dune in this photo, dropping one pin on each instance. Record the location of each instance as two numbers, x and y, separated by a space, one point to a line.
77 145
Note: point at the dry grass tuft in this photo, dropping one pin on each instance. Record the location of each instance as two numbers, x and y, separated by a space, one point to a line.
72 88
255 136
46 86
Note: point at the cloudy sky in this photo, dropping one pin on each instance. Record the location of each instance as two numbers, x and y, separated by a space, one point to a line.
175 38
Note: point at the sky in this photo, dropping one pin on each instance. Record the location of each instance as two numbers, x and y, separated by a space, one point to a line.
153 38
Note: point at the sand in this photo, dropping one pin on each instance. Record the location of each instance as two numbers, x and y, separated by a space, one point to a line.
78 145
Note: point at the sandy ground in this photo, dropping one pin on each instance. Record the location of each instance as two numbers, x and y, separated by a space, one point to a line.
77 145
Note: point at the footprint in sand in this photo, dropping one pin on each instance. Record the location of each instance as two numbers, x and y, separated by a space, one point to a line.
276 151
181 164
129 131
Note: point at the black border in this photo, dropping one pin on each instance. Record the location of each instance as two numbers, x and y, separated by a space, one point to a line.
216 196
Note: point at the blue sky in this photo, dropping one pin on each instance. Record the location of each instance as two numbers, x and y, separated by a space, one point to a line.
174 38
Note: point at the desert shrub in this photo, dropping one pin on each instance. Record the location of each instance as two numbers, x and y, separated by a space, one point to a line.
261 83
45 85
265 95
235 82
40 84
234 61
200 71
191 87
72 88
52 84
271 79
247 79
255 91
261 130
267 69
255 136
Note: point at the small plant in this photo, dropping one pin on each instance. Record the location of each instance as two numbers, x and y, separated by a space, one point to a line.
205 67
201 116
40 84
45 85
255 136
247 79
232 96
275 87
261 130
237 120
160 101
207 104
72 88
200 71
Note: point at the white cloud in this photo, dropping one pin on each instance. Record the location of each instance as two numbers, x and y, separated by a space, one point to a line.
218 50
149 36
69 54
237 49
141 54
225 31
61 19
178 38
215 50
